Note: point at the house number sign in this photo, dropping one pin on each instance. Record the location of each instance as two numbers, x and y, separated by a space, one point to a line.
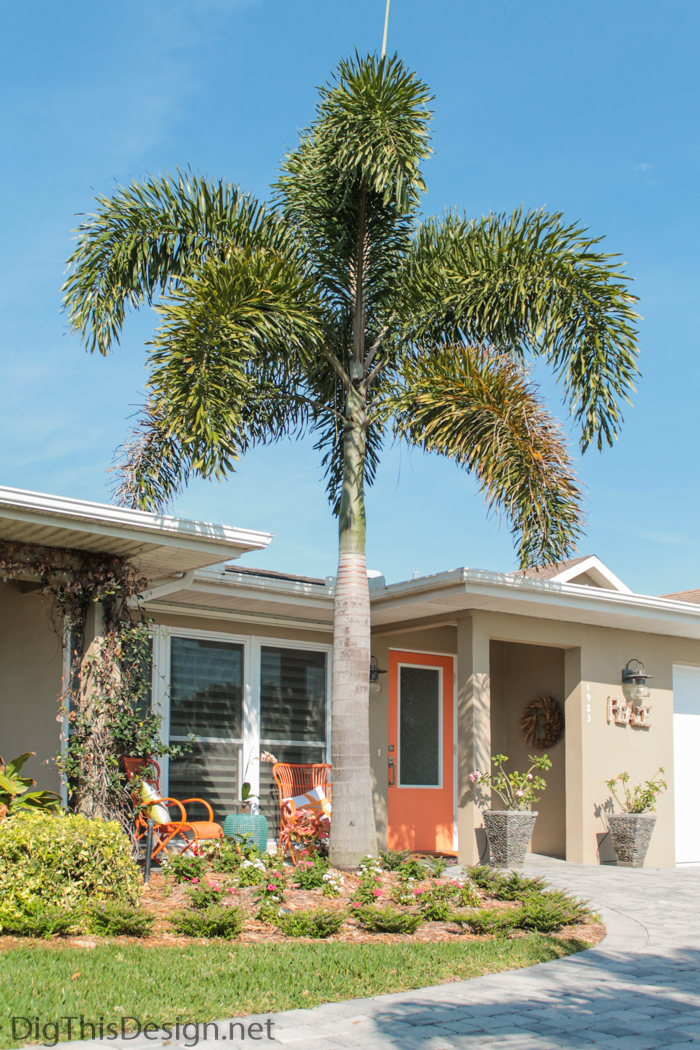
624 714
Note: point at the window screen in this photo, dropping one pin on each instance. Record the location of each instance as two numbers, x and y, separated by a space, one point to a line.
292 695
419 727
206 688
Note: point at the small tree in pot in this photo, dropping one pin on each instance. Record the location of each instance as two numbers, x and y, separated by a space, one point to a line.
508 830
631 830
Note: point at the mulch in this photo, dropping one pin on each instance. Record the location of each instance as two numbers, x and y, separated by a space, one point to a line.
162 898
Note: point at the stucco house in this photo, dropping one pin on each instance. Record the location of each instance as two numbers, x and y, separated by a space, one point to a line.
242 658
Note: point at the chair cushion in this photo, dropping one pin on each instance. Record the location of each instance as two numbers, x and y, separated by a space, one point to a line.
159 814
315 800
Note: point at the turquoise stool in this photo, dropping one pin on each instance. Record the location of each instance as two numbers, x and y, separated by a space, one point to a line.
254 824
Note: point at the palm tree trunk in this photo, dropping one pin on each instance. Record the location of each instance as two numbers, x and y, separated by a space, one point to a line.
353 832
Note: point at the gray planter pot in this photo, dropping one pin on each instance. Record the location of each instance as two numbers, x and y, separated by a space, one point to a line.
508 832
631 835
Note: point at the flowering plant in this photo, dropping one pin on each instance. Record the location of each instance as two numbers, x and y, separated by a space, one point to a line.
638 799
516 790
305 833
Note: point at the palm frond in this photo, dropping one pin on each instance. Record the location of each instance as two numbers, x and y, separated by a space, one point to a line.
529 284
479 409
147 235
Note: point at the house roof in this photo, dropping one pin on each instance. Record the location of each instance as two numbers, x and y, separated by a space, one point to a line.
158 544
685 596
587 571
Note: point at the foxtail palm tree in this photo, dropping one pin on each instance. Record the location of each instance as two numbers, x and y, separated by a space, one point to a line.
334 309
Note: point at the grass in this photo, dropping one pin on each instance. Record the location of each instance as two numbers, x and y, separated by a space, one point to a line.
196 982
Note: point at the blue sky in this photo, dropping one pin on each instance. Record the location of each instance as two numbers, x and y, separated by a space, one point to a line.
591 108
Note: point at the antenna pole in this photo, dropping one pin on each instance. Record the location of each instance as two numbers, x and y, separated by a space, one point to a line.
386 28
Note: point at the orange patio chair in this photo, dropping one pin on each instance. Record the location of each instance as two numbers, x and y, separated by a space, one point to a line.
166 830
296 779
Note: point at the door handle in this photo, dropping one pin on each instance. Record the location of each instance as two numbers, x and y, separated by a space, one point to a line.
392 767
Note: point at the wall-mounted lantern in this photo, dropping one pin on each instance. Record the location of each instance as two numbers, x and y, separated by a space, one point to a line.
637 678
374 672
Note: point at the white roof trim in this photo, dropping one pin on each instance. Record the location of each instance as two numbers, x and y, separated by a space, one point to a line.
595 568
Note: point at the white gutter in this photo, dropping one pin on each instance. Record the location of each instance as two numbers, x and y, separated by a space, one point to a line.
138 525
159 589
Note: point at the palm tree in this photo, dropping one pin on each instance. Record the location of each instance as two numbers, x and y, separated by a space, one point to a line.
336 310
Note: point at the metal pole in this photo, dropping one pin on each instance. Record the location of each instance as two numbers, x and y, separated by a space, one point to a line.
386 28
149 850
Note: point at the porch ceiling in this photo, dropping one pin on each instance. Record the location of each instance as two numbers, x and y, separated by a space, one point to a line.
158 544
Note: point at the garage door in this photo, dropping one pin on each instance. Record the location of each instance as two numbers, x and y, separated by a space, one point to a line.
686 749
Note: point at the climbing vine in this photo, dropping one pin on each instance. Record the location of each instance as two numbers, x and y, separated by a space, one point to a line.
107 698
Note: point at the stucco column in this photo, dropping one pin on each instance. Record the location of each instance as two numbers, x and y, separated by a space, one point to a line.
473 732
574 714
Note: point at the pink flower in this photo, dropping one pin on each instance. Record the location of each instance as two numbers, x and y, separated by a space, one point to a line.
416 893
356 904
476 775
271 886
376 893
519 794
530 776
193 881
230 890
377 878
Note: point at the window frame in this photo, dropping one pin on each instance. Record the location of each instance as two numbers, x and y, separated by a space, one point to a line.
421 787
252 645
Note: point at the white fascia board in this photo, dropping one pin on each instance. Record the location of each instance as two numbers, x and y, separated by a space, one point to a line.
140 526
594 567
262 588
577 600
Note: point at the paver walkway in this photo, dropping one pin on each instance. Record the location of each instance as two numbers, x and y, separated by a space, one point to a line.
640 988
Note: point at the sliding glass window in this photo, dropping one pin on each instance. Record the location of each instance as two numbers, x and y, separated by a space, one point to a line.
293 705
206 698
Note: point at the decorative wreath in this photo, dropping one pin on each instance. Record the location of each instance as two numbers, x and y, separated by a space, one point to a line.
542 722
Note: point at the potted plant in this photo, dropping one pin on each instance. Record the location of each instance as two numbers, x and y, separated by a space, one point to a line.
509 830
244 821
631 830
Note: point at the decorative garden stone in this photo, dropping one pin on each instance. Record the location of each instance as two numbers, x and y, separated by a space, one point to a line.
631 835
509 832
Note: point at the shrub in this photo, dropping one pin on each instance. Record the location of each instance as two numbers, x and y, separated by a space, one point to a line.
517 887
437 865
388 920
550 911
309 873
412 868
435 902
185 869
333 882
393 858
64 859
320 922
251 873
38 920
205 896
487 920
215 921
112 919
487 879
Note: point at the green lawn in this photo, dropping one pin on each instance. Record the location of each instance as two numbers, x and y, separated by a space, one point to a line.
196 982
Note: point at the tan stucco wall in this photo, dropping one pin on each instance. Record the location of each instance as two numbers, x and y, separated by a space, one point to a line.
519 673
596 751
31 670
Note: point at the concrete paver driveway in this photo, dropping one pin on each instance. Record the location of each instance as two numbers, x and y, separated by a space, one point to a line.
640 988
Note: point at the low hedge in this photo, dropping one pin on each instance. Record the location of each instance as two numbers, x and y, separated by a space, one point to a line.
63 860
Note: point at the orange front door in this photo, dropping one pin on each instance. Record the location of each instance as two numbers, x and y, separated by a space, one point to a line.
421 752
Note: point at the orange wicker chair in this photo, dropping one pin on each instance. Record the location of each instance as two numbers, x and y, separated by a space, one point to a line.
295 780
165 833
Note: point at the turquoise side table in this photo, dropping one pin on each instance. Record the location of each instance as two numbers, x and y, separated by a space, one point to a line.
254 824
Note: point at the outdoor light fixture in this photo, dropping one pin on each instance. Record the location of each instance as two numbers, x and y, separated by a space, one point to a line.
374 672
637 677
